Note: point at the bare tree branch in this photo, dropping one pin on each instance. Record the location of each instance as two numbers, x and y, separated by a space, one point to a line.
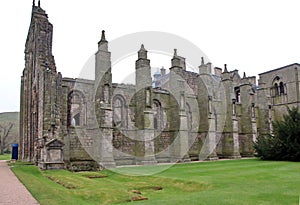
5 130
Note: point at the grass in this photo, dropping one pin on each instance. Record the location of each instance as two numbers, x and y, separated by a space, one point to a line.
5 157
248 181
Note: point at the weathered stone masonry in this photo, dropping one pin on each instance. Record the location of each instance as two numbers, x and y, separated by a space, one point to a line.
81 124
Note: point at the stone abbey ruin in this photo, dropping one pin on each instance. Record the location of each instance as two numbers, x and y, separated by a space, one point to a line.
176 116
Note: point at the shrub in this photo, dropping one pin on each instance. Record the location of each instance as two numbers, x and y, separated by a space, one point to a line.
284 142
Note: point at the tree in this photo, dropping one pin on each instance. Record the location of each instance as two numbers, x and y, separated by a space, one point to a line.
284 142
4 133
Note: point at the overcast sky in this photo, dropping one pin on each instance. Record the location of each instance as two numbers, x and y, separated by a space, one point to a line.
251 36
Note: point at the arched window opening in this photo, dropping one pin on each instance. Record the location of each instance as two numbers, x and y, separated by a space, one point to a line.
155 123
106 93
119 112
157 115
276 91
237 94
76 120
76 109
278 87
281 88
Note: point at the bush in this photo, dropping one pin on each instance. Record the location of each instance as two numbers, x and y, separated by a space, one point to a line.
7 151
284 142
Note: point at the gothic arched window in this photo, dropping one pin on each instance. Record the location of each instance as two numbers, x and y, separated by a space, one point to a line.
281 88
278 87
106 93
157 115
276 91
237 94
76 120
76 108
119 112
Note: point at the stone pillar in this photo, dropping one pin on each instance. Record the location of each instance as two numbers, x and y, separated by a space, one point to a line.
178 86
143 84
262 104
148 133
245 118
229 131
253 121
211 137
235 130
208 151
181 141
106 152
143 112
21 120
65 123
103 109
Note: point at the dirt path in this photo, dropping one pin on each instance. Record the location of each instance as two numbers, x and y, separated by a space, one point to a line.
12 191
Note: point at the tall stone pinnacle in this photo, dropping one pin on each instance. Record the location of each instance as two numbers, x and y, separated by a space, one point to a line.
202 61
103 43
225 68
142 53
175 52
103 36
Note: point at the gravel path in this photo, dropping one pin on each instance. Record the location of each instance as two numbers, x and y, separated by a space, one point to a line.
12 191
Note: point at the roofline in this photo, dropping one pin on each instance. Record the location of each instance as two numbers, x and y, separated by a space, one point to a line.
297 64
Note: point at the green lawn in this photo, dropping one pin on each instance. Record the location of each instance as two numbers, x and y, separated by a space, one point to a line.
5 157
247 181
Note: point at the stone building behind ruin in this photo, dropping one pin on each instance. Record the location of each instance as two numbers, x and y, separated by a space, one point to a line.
176 115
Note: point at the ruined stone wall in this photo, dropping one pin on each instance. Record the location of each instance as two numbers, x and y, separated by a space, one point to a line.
100 122
84 90
79 138
127 148
39 72
278 89
196 141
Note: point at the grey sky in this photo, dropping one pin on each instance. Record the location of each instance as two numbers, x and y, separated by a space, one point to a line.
251 36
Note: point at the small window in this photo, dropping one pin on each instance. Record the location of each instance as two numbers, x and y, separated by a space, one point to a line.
76 109
237 94
281 88
155 123
158 115
278 87
119 112
76 120
276 92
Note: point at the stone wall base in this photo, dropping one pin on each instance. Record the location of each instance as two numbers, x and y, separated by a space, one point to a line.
51 165
88 165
